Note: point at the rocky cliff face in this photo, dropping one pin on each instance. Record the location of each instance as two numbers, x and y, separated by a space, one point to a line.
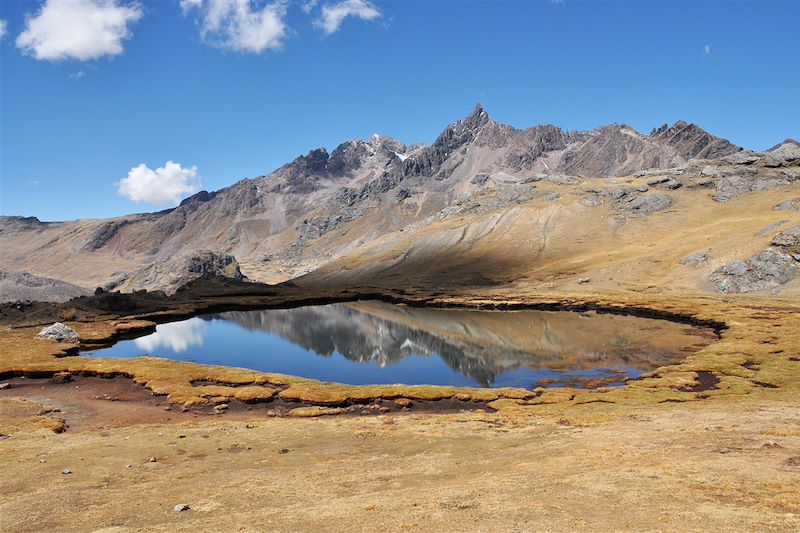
324 205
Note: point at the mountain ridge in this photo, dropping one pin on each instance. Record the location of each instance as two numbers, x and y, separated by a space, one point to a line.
322 205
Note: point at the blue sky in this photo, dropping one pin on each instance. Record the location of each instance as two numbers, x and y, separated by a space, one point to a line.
226 106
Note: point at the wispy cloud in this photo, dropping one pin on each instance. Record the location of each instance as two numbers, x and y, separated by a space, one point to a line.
161 187
239 24
3 27
78 29
332 16
707 49
308 6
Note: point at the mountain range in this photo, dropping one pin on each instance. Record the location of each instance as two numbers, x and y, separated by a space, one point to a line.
484 203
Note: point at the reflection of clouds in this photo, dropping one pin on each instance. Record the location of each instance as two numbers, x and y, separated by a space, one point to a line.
177 336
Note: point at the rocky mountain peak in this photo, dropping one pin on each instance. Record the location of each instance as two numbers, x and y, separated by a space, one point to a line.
691 141
787 142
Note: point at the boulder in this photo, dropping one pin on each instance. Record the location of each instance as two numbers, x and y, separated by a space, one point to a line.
59 333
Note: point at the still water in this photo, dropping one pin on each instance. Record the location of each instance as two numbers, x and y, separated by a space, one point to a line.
379 343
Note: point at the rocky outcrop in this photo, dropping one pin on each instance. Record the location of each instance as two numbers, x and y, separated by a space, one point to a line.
789 241
785 154
176 272
630 200
776 265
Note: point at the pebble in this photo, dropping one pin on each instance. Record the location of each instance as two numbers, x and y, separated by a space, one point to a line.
61 377
152 460
181 507
66 471
4 386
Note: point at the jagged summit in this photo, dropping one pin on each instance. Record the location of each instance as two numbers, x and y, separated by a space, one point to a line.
691 141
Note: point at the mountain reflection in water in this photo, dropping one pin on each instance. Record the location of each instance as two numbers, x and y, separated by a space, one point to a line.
375 342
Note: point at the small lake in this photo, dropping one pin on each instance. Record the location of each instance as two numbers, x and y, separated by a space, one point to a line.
378 343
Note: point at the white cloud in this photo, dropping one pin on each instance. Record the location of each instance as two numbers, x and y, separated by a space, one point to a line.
240 24
175 336
334 14
78 29
160 187
707 49
3 27
308 6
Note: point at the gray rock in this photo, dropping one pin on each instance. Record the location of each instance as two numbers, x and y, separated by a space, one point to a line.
4 386
745 157
583 280
66 471
644 204
789 240
658 181
748 180
618 193
591 201
181 507
783 155
562 179
788 205
552 196
695 259
769 228
769 269
59 333
642 188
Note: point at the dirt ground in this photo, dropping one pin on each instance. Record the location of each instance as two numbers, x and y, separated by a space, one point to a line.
683 467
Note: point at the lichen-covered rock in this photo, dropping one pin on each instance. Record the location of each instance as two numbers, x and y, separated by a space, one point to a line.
59 333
